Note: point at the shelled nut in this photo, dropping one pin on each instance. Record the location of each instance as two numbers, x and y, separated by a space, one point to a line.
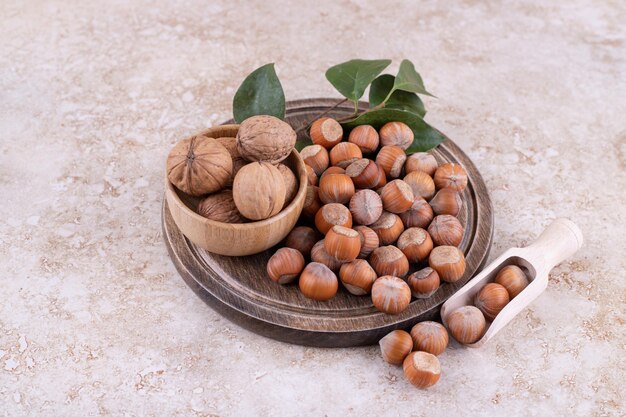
397 196
357 276
466 324
364 173
302 238
447 201
258 200
448 261
333 214
430 336
318 282
315 156
491 299
513 279
285 265
391 159
336 188
421 161
421 184
369 241
396 133
396 346
389 260
390 294
365 207
452 176
365 137
419 215
422 369
423 283
326 132
415 243
342 243
388 227
446 230
344 153
291 183
319 254
312 203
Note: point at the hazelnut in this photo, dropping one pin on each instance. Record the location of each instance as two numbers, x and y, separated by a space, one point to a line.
345 153
513 279
342 243
318 282
199 165
390 294
310 175
466 324
446 230
366 207
316 157
421 184
319 254
397 196
421 369
396 346
365 137
423 283
369 241
421 161
430 336
382 178
291 182
396 134
336 188
391 160
389 260
364 173
312 203
447 201
302 238
448 261
357 276
326 132
221 208
231 146
259 190
333 214
265 138
419 215
491 299
388 227
452 176
415 243
285 265
333 170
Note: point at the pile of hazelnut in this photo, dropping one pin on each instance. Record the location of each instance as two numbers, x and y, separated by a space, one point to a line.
378 211
417 351
239 179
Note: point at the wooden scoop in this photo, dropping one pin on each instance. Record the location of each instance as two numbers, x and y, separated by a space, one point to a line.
559 241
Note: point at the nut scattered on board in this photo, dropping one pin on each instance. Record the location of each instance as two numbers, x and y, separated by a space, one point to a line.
315 156
422 369
397 196
421 184
423 283
390 294
265 138
391 159
415 243
333 214
513 279
430 336
421 161
336 188
419 215
220 207
446 230
312 202
318 282
255 199
466 324
389 260
491 299
366 207
333 170
344 153
448 261
357 276
199 165
451 175
369 240
388 227
396 133
285 265
343 243
446 201
302 238
365 137
319 254
326 132
310 175
396 346
364 173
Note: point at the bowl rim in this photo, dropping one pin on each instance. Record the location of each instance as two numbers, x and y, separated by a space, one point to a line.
303 184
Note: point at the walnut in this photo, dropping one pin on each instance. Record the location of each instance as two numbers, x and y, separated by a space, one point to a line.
265 138
291 182
221 208
199 165
259 190
231 146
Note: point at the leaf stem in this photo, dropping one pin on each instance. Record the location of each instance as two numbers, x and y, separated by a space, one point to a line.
355 115
324 113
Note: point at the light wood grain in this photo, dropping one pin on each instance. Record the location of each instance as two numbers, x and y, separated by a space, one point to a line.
561 239
235 239
239 287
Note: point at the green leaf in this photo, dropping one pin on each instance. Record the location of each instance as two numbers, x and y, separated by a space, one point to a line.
352 77
409 80
426 137
401 100
260 93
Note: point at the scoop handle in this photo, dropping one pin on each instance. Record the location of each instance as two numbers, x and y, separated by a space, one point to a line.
560 240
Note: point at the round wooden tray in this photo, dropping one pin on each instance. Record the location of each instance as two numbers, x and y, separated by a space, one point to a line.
238 287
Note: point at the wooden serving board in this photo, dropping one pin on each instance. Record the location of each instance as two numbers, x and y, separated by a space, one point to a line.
239 289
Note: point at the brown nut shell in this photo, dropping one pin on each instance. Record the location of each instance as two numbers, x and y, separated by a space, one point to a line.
336 188
415 243
452 176
231 146
446 230
448 261
364 173
513 279
326 132
491 299
389 260
312 203
310 175
357 276
396 346
259 190
333 214
466 324
366 207
390 294
342 243
396 134
315 156
430 336
199 165
419 215
302 238
221 208
344 153
285 265
291 183
333 170
446 201
421 184
319 254
391 159
421 161
365 137
388 227
423 283
422 369
265 138
369 241
317 282
397 196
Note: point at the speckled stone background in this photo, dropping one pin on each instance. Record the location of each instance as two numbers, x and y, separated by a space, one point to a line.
94 319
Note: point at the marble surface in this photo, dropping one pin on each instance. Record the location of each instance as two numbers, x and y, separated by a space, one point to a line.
94 319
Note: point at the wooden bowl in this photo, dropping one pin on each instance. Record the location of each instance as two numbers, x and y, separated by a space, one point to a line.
235 239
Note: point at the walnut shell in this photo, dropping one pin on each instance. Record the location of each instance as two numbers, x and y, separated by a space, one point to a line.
265 138
231 146
221 208
291 182
199 165
259 190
